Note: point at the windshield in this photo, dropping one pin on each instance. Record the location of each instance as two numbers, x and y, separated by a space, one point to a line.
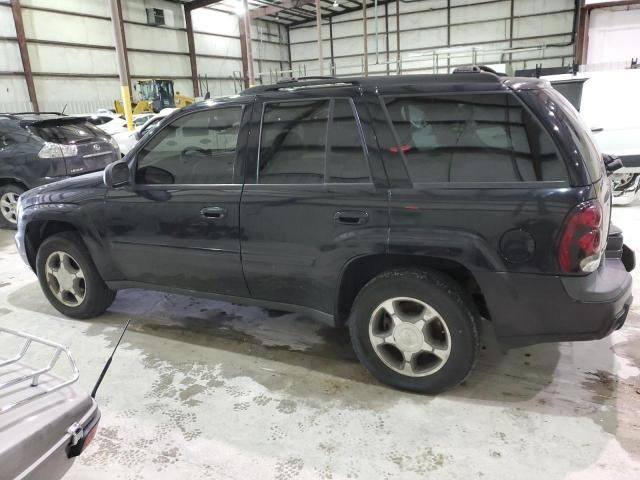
155 89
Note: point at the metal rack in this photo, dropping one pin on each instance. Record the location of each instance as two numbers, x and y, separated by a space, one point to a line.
32 375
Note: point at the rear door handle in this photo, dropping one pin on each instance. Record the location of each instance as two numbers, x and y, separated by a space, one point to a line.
351 217
214 213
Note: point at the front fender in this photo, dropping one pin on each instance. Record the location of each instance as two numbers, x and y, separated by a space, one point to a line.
34 219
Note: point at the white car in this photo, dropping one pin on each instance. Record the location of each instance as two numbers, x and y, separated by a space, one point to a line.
97 119
610 105
114 123
126 140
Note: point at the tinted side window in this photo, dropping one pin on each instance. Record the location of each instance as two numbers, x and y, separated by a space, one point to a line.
346 161
292 142
199 148
472 138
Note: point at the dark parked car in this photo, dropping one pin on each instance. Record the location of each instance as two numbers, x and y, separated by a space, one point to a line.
39 148
405 207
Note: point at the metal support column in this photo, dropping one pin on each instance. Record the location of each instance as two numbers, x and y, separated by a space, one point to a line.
192 51
118 40
582 40
332 67
386 34
364 37
319 35
399 65
24 53
245 37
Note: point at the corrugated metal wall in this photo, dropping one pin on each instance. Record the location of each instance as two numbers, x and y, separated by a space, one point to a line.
457 26
70 45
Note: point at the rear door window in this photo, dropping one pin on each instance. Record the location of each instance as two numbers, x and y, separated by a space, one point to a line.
292 142
472 138
311 142
346 159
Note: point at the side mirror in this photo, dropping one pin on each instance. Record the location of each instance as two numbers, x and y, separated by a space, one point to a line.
612 163
116 174
137 135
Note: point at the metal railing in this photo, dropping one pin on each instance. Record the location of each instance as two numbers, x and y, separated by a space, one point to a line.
426 61
31 379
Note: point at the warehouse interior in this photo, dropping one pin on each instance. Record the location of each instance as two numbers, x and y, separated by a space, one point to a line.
199 44
207 387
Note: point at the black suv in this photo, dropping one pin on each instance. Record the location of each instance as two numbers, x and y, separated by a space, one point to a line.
404 207
40 148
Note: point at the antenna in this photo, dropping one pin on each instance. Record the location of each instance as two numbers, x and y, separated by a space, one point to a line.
108 364
65 107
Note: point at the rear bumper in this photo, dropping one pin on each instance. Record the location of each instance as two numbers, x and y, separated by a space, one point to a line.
528 309
55 463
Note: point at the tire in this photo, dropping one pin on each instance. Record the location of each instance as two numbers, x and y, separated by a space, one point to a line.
63 260
8 201
397 353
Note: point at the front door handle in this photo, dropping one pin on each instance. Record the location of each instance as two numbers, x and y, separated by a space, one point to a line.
351 217
214 213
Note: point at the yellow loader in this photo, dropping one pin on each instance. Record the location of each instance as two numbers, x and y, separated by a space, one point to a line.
154 95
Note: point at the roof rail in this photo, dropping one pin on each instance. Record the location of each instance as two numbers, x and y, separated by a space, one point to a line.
301 83
306 79
478 69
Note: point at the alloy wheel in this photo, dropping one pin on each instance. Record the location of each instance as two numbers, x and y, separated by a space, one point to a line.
65 278
409 336
8 206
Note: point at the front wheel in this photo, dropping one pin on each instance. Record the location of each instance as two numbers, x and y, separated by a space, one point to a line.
69 278
413 330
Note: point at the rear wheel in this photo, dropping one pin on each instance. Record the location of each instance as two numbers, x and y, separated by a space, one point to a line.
69 278
9 195
413 330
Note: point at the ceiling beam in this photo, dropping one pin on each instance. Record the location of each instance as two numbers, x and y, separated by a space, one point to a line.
199 4
24 53
285 5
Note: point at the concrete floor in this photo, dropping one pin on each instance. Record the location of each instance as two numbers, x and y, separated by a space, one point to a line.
209 390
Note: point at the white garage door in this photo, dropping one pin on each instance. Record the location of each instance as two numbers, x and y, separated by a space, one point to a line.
614 36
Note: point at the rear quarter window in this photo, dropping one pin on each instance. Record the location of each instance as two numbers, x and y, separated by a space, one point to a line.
579 131
472 138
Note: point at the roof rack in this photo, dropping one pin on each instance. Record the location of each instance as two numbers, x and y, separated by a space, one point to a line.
29 377
291 84
306 79
478 69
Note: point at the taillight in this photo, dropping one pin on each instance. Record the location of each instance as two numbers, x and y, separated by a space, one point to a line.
580 244
57 150
89 437
81 437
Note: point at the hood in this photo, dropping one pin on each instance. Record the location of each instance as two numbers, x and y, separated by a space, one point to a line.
69 190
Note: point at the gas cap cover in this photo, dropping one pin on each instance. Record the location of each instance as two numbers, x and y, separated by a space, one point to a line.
517 246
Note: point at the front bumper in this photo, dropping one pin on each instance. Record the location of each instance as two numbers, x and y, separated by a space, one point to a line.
528 309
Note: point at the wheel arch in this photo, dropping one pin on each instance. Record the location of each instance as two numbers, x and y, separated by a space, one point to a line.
13 181
37 231
360 270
